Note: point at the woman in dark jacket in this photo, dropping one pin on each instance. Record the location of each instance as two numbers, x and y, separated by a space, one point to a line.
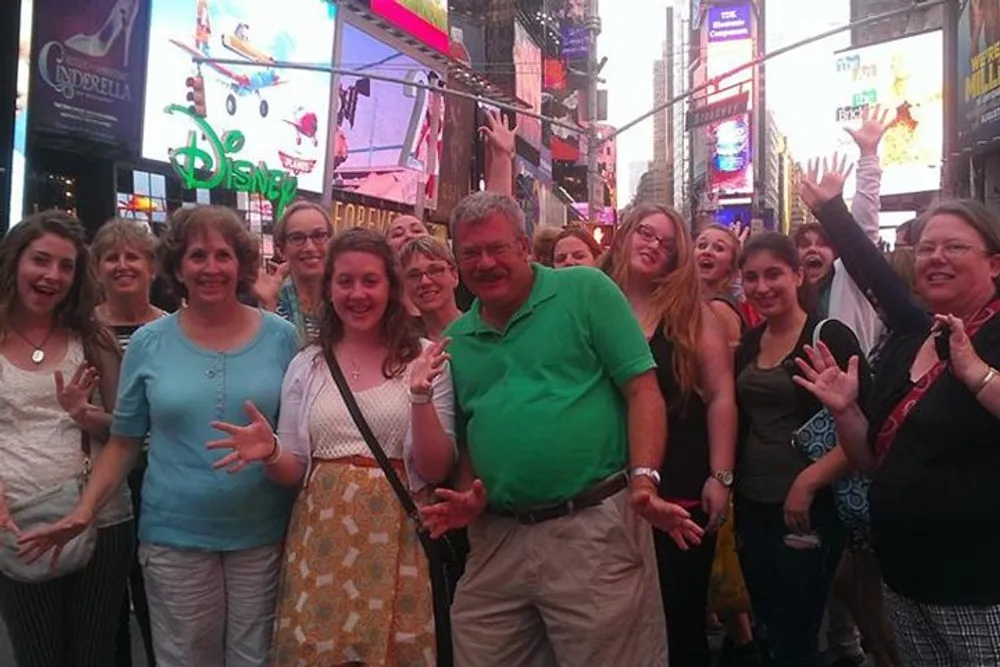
790 536
928 432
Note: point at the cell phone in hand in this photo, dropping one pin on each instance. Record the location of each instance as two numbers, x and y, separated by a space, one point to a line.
942 343
803 541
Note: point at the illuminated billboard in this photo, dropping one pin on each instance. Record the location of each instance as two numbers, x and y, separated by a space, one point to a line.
427 20
978 67
731 170
528 82
283 114
729 42
383 134
18 165
904 75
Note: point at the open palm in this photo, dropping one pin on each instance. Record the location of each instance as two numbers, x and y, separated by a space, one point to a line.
823 181
875 123
836 389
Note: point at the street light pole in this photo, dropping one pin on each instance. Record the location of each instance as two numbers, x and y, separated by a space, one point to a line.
595 190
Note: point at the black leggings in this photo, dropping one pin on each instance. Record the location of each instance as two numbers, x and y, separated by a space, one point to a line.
135 594
684 579
71 621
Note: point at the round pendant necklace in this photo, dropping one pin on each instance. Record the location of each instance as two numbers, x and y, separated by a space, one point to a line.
38 353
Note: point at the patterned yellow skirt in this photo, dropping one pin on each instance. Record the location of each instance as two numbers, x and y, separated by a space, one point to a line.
355 585
727 591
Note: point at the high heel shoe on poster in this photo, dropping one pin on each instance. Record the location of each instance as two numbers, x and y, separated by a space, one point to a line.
120 20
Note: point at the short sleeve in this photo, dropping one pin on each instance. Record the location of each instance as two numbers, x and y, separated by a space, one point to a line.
616 333
131 416
291 413
444 405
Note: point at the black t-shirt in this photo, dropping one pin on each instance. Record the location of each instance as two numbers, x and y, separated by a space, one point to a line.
934 504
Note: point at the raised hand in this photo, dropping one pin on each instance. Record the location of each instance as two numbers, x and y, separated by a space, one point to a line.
253 442
822 182
668 517
268 284
428 366
74 397
457 510
836 389
36 543
499 138
875 123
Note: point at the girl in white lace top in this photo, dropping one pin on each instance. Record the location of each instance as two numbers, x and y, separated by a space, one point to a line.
53 355
355 581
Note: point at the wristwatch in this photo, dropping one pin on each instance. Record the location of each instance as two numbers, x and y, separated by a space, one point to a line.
724 477
651 473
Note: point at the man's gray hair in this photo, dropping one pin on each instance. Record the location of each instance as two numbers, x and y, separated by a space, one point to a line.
478 206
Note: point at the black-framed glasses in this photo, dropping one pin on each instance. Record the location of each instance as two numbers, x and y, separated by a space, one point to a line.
298 239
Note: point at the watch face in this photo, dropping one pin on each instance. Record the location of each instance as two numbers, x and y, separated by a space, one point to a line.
725 476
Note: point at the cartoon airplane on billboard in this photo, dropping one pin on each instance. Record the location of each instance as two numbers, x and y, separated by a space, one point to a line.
239 84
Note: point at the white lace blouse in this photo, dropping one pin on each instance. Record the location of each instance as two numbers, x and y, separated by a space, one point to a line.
314 422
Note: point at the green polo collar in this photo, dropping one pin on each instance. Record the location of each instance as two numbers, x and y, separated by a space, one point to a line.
543 288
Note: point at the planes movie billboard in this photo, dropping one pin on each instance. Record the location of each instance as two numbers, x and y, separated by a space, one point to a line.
282 113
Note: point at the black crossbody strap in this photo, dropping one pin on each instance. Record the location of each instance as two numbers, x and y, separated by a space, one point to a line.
405 499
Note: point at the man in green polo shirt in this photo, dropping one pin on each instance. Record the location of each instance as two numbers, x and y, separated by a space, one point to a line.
562 430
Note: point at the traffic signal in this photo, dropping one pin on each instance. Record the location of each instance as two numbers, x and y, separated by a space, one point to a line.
196 95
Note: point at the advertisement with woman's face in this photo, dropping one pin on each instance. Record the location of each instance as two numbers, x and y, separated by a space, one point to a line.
383 133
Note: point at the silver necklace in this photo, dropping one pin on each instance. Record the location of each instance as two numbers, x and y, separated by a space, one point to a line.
355 370
38 353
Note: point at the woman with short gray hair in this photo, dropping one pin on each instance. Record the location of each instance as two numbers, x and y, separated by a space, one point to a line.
430 277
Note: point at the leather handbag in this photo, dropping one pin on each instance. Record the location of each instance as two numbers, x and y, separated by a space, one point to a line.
41 509
446 556
815 439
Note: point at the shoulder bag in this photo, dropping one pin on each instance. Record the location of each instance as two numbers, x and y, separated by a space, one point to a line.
41 509
815 439
445 556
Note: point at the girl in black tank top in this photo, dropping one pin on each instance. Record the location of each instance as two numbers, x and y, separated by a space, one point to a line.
652 260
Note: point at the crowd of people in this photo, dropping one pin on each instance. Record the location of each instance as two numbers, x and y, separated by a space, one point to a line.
504 452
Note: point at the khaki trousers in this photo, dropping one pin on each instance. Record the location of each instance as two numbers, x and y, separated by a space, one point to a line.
578 591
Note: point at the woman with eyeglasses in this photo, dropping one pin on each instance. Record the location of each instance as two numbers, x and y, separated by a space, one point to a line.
652 260
928 433
294 290
430 277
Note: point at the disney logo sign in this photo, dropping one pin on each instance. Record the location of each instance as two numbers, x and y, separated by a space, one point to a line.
193 160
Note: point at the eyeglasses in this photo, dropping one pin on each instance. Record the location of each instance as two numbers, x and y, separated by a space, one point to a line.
649 235
434 272
298 239
950 250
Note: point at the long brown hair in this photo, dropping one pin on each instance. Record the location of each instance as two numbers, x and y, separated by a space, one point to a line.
76 313
676 299
397 330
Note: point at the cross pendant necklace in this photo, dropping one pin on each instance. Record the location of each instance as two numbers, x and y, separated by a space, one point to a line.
38 352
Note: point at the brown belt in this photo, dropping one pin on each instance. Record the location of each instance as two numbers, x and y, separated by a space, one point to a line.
592 497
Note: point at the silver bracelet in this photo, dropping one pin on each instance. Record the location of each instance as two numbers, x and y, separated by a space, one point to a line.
990 374
276 454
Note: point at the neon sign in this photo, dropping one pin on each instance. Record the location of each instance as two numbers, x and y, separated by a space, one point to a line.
223 169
